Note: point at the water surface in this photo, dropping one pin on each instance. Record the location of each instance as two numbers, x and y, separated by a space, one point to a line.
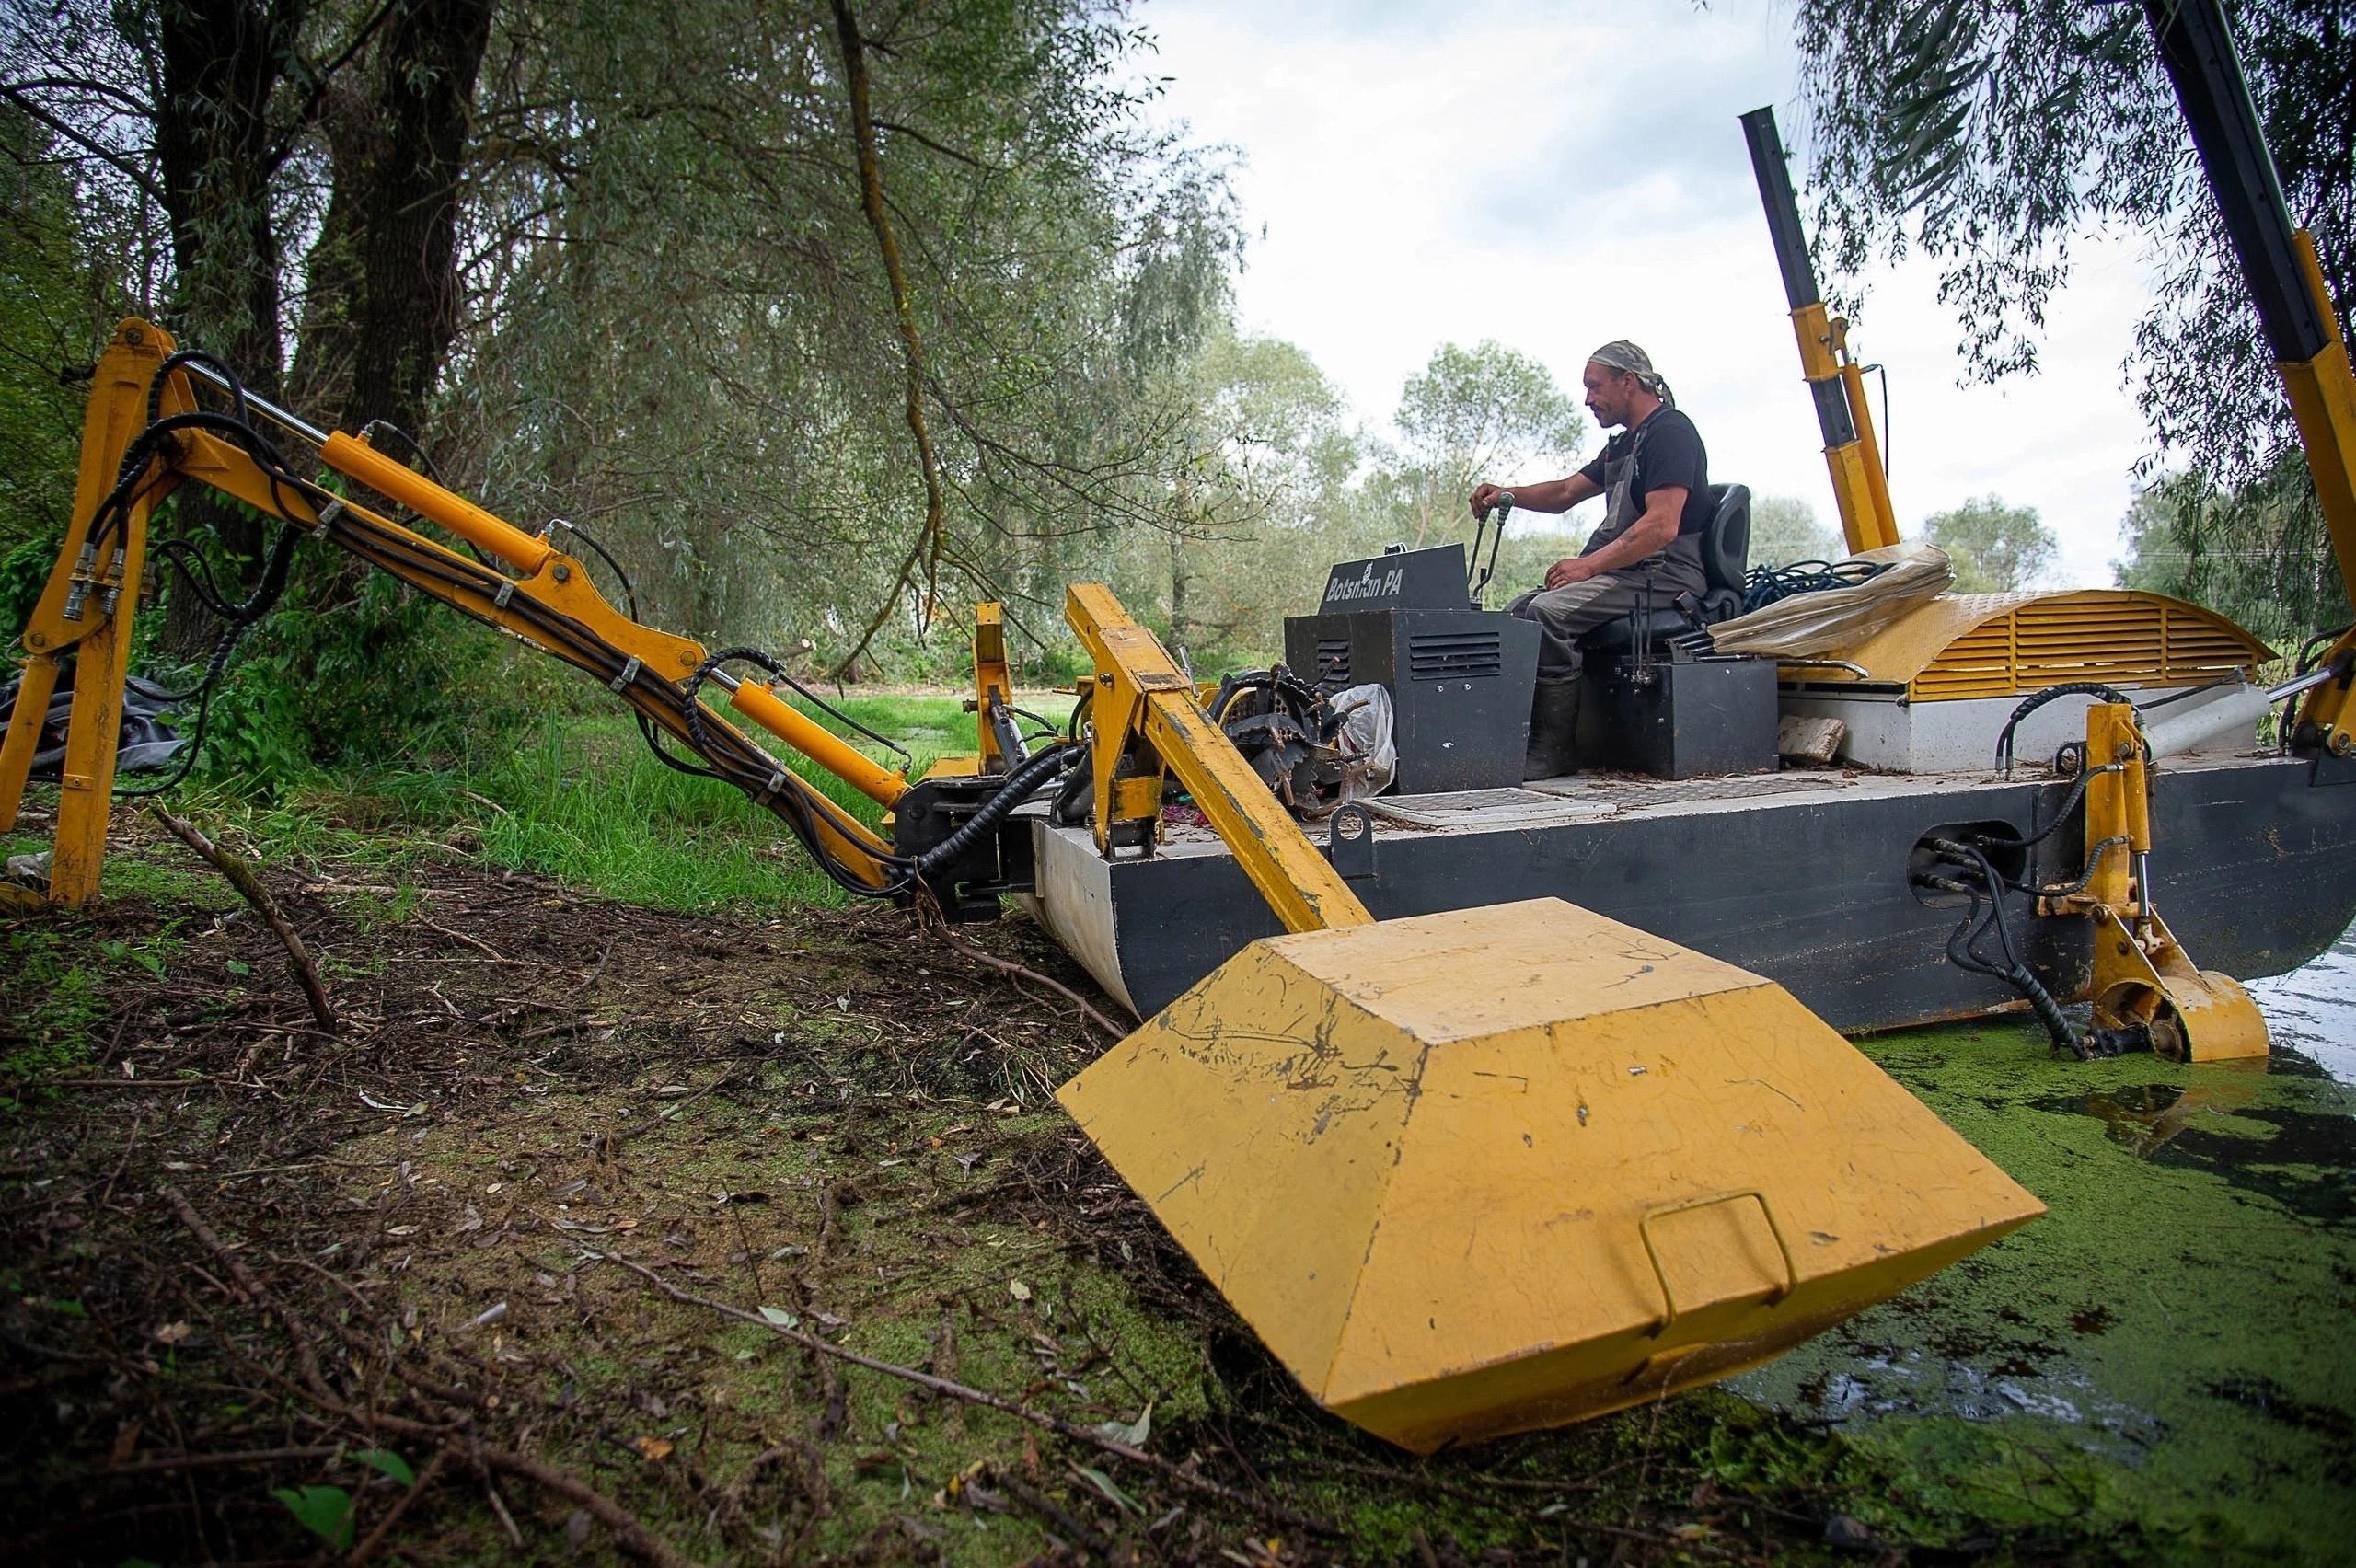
2168 1350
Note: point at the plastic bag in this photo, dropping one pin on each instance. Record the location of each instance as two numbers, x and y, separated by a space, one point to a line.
1815 624
1366 735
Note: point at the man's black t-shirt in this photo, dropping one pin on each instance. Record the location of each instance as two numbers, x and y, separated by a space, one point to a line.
1669 452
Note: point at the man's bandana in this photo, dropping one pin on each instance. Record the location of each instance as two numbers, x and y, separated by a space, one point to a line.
1622 354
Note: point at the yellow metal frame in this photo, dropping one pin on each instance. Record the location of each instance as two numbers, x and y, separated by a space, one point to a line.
105 592
2143 977
2323 401
98 636
1859 487
993 682
1148 722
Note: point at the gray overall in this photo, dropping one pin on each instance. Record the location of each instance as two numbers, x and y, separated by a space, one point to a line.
1567 614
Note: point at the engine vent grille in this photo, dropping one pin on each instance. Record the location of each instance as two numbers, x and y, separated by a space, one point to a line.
1454 655
2121 639
1332 672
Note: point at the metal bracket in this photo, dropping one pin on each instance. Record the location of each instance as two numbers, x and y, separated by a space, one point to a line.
2329 770
629 673
1349 842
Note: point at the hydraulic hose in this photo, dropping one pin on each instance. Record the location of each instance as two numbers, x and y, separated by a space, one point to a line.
1020 786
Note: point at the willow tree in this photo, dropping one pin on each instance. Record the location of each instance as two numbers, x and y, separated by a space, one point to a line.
1990 138
693 339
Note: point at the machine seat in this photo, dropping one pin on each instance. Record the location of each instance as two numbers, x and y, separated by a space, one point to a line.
1725 556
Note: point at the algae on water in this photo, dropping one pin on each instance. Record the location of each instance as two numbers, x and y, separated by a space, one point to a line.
2163 1349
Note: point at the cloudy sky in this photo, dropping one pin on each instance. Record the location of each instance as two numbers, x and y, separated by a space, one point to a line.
1417 173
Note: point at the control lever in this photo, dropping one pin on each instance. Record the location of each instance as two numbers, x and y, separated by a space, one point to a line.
1643 676
1503 508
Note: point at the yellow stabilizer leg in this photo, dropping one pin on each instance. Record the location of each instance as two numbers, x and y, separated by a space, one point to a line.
1480 1171
2143 977
2192 1014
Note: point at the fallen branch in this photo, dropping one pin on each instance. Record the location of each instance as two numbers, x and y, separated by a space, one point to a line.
373 1541
475 943
1023 972
1182 1478
210 1461
241 877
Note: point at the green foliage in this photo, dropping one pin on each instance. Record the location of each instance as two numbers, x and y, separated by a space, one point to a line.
324 1511
24 572
1486 412
1783 529
1996 549
386 1462
2260 557
45 309
1991 137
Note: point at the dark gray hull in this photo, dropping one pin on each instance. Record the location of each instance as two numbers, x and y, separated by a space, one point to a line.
1801 876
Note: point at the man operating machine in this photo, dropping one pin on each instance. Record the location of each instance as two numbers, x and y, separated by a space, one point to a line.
1655 478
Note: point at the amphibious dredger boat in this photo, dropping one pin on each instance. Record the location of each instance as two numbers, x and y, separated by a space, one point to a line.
1560 1133
1825 879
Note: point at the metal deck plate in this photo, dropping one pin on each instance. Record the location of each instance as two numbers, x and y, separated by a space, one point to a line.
1633 794
1461 807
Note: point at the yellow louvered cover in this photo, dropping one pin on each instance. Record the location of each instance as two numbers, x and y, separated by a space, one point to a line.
1977 645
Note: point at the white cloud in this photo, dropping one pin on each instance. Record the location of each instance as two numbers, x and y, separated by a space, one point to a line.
1418 173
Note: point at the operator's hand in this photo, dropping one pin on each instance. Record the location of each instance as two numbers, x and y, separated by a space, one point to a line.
1484 498
1569 570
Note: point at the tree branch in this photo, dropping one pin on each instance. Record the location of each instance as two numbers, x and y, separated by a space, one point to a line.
112 159
241 877
870 192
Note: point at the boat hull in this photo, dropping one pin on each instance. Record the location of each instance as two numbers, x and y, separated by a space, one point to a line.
1800 877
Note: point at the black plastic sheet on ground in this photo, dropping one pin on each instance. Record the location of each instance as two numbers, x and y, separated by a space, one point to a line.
144 742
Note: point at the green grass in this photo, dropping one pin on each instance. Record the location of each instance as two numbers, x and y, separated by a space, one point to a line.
583 802
579 800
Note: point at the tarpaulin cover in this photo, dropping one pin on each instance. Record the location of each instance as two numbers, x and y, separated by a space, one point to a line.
1820 625
146 741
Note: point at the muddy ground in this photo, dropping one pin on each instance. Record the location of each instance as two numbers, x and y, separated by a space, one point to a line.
528 1257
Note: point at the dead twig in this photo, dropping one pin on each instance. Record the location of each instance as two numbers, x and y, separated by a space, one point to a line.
475 943
241 877
1072 1432
1023 972
163 1462
373 1541
129 1143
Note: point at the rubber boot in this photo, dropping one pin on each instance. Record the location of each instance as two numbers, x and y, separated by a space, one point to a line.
1553 729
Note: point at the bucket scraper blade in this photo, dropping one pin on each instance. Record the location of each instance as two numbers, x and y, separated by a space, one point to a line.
1496 1169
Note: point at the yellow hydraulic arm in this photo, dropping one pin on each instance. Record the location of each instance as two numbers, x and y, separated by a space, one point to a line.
1860 488
535 593
2295 309
2144 980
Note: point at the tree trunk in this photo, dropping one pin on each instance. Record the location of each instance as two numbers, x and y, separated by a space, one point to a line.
386 288
220 62
384 295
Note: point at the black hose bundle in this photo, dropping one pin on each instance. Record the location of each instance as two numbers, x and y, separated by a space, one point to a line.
660 705
1765 585
1978 879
